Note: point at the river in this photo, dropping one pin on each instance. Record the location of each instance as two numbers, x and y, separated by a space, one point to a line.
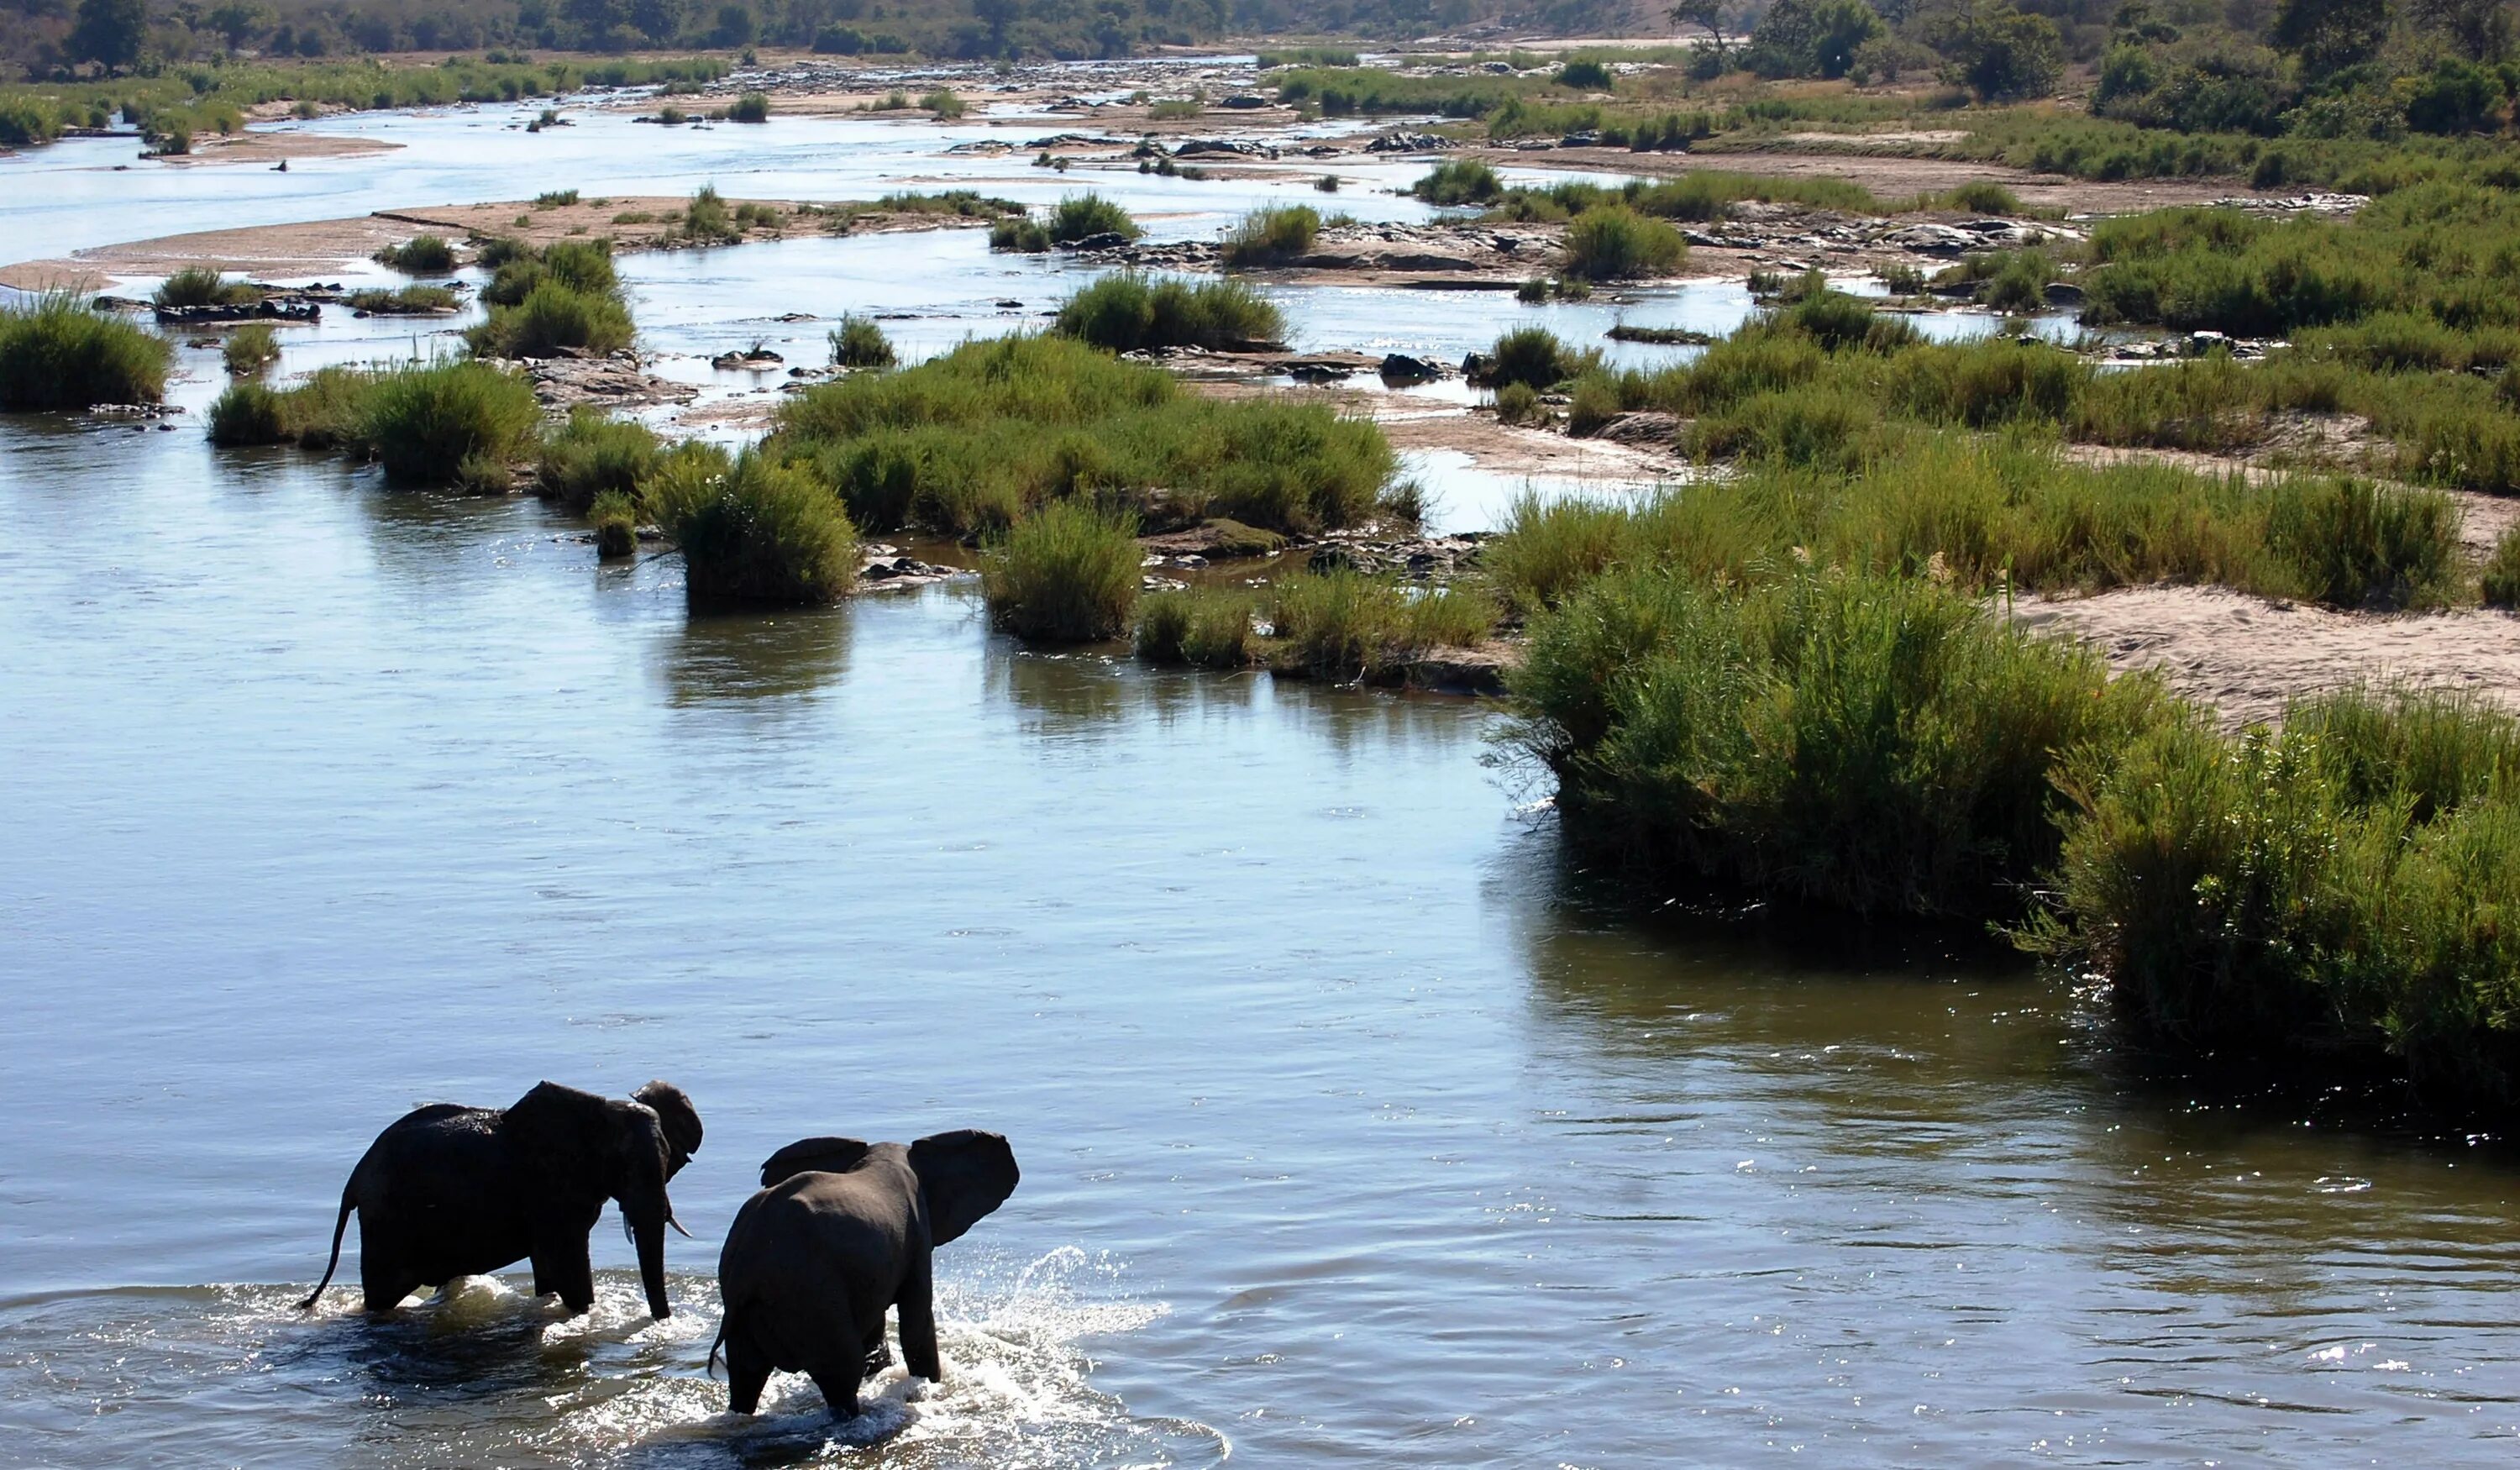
1355 1128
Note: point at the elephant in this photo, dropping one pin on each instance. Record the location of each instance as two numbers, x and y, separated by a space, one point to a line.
840 1230
449 1192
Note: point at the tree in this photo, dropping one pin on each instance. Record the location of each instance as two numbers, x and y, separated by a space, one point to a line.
2329 36
1810 37
237 22
110 33
1708 15
2000 54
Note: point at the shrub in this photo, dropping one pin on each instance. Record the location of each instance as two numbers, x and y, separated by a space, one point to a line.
200 285
426 254
1534 356
2335 889
752 106
1083 217
858 342
1268 236
1612 243
2354 544
425 420
55 352
1878 744
1019 232
614 515
708 219
1459 181
943 103
1066 573
552 317
751 531
580 265
2502 576
1592 405
555 198
1342 624
1981 197
1584 76
1202 627
410 300
246 413
1127 312
1549 548
1519 403
593 455
250 349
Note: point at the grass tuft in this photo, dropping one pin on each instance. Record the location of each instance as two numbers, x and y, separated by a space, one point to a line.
1066 573
56 352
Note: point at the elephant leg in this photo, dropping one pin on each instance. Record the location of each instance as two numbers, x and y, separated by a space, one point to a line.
746 1371
839 1386
564 1267
917 1301
383 1281
878 1353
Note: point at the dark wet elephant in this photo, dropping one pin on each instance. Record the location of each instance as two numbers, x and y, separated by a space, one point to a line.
840 1230
449 1192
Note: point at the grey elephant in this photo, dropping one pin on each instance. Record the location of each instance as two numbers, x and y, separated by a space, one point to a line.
449 1192
840 1230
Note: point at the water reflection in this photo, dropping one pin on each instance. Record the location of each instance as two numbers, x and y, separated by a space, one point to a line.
747 656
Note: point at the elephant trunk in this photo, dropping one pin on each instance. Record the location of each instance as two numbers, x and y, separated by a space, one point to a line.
647 1218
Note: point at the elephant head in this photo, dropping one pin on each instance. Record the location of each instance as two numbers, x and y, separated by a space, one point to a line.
963 1177
590 1147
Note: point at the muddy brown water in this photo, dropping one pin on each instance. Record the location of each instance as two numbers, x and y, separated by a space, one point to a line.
1356 1130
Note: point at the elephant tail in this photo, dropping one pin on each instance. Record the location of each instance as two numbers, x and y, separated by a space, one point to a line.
716 1343
340 1224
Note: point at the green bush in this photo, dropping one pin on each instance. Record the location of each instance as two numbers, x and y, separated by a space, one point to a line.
2502 576
250 349
420 255
1082 216
1345 625
593 455
1066 573
614 515
425 420
2334 890
943 103
751 531
55 352
1519 403
2356 544
1127 312
200 285
1981 197
551 318
1459 181
858 342
584 266
1019 232
1878 744
965 442
1202 627
1593 403
1613 242
752 106
1584 76
248 413
1534 356
1271 234
410 300
708 220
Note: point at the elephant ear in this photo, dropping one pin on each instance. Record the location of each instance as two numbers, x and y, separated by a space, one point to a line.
813 1156
682 1122
964 1175
563 1135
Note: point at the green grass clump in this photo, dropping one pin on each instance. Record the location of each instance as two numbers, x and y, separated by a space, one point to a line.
944 103
858 342
250 349
2500 578
1200 627
708 220
2334 890
552 317
423 422
2353 544
1519 403
1347 626
1128 311
1019 232
752 106
1082 216
751 530
200 285
1613 242
555 198
1981 196
1459 181
1534 357
248 413
965 443
517 268
1065 573
55 352
427 254
1880 744
410 300
614 515
1271 234
593 455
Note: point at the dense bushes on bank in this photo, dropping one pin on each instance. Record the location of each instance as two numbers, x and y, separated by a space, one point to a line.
752 529
1129 312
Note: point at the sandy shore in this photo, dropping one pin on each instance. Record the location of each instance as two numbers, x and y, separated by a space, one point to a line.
1888 175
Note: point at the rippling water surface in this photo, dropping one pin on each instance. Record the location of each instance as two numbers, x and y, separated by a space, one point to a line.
1354 1131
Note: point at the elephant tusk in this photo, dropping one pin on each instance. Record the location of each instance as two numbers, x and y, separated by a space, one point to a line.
678 1226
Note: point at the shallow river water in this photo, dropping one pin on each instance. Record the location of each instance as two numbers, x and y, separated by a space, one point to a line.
1355 1128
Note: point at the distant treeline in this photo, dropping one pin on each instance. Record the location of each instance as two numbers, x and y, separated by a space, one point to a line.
40 38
